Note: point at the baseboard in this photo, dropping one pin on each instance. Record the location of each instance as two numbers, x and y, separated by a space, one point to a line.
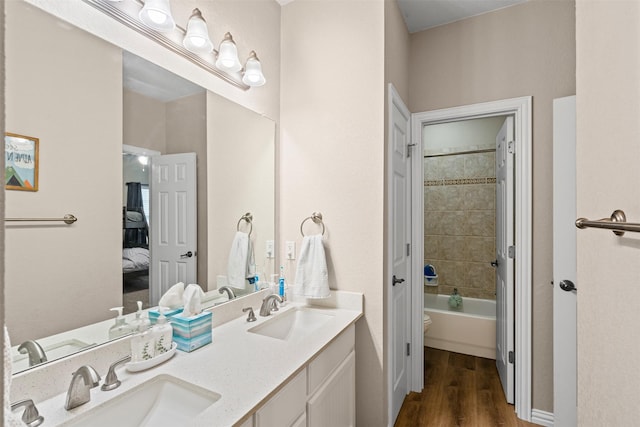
543 418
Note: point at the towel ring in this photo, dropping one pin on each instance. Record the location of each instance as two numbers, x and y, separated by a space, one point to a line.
248 218
315 217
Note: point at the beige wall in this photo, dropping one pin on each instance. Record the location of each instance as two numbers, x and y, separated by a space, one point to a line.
332 160
527 49
5 375
146 121
73 103
241 179
608 132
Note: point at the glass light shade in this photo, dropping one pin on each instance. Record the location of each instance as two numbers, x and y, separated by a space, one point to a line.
197 38
228 55
156 14
253 71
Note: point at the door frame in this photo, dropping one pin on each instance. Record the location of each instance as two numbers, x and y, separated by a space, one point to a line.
520 108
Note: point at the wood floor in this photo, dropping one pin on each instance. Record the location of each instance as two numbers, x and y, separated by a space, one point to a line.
459 390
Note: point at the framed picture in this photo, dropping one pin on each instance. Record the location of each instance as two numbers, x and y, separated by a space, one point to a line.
21 162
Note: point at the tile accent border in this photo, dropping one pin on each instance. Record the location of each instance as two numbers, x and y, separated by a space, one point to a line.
463 181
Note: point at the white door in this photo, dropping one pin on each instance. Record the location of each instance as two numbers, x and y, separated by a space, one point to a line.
173 232
564 262
505 252
400 228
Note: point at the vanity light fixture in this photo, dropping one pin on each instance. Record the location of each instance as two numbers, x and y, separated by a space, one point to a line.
153 19
253 71
197 38
156 14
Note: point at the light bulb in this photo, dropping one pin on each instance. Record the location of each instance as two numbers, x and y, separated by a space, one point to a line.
253 71
228 55
156 14
197 38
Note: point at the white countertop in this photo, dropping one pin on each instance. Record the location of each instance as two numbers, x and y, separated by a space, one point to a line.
245 368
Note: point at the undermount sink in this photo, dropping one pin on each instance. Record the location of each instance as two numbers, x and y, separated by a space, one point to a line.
293 324
163 400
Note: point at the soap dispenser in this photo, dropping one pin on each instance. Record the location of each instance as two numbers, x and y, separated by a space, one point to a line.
121 327
140 323
142 342
162 333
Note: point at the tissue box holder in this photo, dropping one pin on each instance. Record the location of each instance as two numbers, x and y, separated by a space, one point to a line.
191 333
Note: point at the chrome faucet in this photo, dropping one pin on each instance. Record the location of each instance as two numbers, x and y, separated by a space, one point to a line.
30 416
269 304
228 290
83 380
111 382
35 352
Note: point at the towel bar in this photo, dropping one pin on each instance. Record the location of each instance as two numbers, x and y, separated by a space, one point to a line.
248 218
68 219
316 217
616 223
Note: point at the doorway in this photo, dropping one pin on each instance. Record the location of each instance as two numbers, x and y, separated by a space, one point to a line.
135 226
520 110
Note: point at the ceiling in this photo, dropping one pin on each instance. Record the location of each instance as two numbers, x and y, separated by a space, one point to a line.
420 15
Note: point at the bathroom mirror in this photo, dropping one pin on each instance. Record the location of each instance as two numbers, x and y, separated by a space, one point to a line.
65 87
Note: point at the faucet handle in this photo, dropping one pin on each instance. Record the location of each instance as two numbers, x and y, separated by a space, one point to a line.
251 317
30 416
111 382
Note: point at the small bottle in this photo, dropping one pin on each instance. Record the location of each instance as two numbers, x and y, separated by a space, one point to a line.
162 333
281 286
121 327
142 342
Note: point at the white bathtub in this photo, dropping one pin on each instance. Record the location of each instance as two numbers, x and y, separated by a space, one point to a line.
471 330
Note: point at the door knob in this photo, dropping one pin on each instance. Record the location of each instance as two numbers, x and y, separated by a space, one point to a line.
187 255
396 281
494 264
568 285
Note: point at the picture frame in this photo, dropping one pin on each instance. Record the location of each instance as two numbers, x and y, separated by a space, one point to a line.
21 162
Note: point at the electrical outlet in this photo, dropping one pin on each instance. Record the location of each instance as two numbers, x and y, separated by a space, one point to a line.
291 250
270 249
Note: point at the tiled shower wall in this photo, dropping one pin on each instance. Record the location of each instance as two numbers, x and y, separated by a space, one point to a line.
459 241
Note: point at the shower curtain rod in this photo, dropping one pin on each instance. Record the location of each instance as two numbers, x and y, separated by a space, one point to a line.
486 150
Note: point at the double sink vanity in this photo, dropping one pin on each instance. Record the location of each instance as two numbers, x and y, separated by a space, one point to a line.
295 367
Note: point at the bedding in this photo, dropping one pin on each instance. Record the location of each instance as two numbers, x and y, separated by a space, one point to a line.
135 259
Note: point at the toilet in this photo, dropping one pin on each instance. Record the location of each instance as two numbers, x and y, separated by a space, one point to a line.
427 323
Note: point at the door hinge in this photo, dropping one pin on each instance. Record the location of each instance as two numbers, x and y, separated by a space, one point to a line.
408 349
408 249
511 147
512 252
409 147
512 357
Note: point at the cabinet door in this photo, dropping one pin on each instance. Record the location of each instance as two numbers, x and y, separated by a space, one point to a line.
334 404
285 408
248 422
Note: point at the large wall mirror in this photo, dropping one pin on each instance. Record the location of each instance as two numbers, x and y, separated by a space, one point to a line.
100 113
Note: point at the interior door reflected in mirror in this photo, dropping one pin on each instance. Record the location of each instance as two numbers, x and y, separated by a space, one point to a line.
84 109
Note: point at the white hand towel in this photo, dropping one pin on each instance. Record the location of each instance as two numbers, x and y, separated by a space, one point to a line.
241 264
10 419
312 277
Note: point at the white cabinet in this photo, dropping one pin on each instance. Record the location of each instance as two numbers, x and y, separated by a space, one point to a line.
286 407
321 394
334 404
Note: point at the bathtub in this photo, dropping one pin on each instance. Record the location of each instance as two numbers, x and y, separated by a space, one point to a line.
471 330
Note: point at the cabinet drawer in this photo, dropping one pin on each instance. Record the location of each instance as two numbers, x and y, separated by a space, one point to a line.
322 366
286 406
334 404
